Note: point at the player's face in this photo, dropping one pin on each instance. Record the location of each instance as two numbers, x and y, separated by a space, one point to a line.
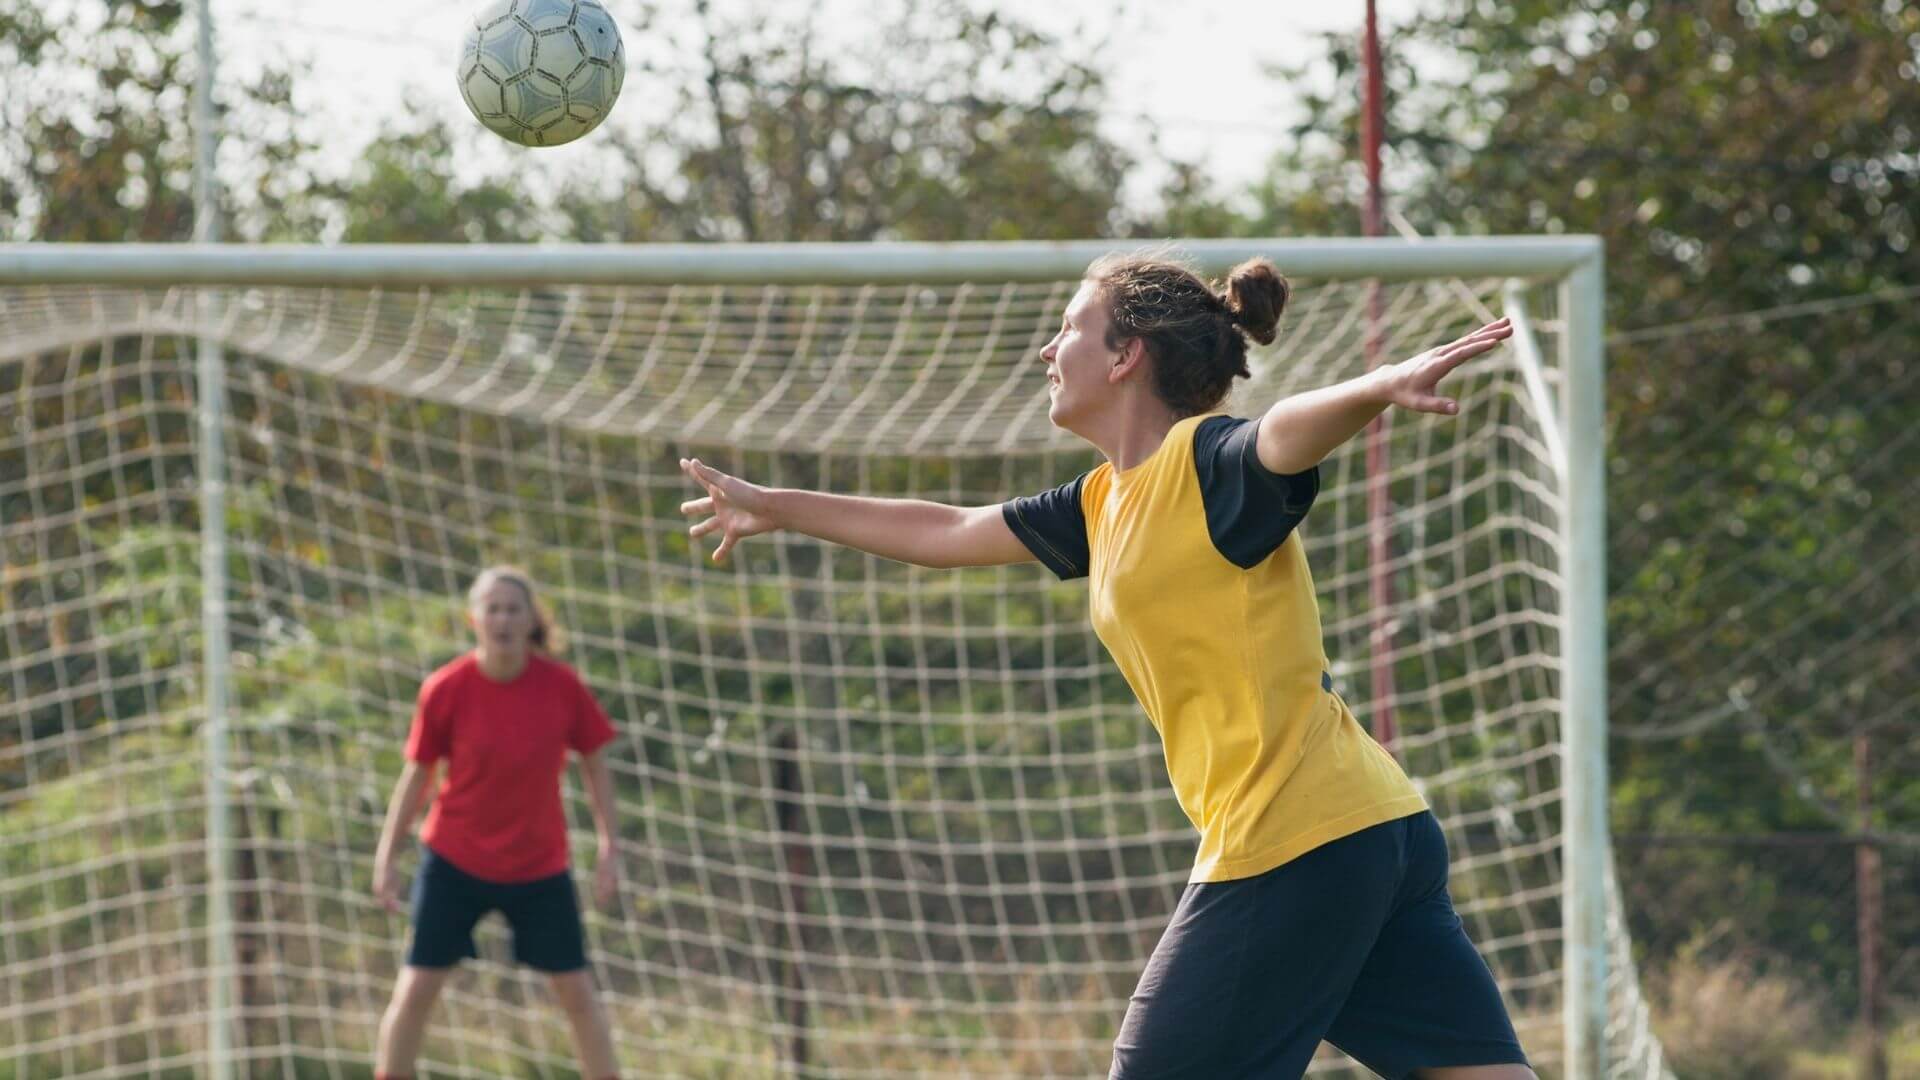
1078 359
502 617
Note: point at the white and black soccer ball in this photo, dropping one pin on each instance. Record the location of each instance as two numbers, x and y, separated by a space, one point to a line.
542 72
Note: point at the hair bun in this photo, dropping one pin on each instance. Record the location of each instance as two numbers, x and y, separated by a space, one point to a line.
1256 295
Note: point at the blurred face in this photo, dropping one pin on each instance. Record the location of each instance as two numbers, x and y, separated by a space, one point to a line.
1078 360
502 617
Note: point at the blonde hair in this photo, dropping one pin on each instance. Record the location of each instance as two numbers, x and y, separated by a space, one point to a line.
548 637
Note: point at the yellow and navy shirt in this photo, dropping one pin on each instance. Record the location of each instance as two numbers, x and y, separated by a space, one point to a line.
1199 588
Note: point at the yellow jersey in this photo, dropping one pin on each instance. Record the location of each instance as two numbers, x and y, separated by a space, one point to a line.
1199 589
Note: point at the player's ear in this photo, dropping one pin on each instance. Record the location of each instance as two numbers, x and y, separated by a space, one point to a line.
1132 357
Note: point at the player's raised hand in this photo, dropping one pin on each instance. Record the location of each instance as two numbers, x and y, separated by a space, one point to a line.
1413 383
733 507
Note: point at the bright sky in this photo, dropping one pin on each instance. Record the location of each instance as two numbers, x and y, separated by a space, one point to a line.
1194 66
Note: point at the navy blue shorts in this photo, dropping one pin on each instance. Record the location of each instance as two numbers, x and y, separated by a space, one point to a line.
1356 942
448 902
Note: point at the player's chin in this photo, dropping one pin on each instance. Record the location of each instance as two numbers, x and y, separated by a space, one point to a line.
1066 420
1057 412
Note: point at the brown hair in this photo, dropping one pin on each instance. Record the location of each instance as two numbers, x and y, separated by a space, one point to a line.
1195 336
547 637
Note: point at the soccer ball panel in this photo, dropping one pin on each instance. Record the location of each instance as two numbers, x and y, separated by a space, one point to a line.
590 86
545 15
565 129
597 31
482 92
541 72
507 50
558 53
533 102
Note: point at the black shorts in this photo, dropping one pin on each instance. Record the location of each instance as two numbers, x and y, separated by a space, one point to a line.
448 902
1356 942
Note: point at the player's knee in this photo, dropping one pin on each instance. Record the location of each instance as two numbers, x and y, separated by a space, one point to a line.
401 1015
413 998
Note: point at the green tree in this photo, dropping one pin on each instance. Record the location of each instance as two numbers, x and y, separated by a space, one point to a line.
943 124
404 189
95 135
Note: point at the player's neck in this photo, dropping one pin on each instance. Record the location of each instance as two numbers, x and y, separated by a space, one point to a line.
1134 430
500 665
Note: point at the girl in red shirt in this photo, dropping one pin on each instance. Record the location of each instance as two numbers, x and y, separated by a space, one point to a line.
503 718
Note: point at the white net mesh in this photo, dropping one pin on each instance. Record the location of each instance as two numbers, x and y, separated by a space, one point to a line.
877 820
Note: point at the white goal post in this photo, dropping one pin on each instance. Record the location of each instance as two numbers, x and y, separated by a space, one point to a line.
407 413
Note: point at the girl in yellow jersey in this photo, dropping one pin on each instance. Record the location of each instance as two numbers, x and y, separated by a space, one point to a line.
1318 907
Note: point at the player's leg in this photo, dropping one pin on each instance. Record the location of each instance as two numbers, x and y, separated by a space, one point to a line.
548 936
1251 973
1425 1003
446 903
404 1025
587 1019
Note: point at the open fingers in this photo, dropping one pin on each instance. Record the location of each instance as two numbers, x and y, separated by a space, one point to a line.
696 507
1484 338
1462 351
701 473
1481 341
1426 373
1493 331
705 528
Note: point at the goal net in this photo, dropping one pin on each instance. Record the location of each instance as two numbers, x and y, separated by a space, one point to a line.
875 821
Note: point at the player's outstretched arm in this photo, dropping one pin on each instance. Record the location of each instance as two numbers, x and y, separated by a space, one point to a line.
1299 431
906 530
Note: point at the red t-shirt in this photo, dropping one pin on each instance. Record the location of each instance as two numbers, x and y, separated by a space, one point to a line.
498 814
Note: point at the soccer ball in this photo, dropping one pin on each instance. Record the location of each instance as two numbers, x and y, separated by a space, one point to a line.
542 72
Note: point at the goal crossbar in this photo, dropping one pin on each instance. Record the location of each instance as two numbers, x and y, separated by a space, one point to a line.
502 265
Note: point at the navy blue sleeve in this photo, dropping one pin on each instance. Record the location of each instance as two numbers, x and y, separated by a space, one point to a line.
1250 511
1052 527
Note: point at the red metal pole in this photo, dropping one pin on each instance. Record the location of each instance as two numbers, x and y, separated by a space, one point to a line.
1379 509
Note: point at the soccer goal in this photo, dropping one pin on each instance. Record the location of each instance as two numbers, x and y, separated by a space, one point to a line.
876 821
